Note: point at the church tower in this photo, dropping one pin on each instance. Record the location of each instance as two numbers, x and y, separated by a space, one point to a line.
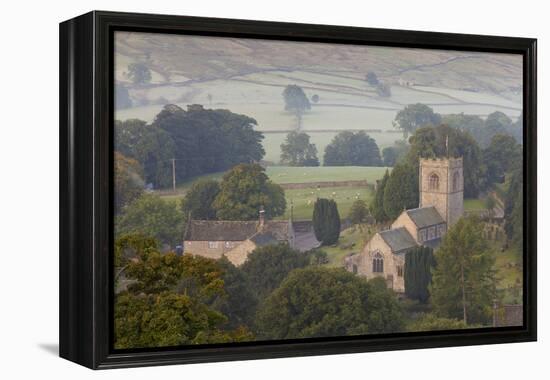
442 186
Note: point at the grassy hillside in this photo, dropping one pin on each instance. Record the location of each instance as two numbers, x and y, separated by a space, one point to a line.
248 76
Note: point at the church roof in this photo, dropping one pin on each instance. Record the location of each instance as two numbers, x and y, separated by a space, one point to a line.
425 216
226 230
398 239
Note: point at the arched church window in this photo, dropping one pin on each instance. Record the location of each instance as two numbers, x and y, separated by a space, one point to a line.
378 263
456 181
433 182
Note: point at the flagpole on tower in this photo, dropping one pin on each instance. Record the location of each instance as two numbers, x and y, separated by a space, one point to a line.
447 145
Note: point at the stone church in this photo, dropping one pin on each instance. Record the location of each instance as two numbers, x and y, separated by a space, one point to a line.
441 183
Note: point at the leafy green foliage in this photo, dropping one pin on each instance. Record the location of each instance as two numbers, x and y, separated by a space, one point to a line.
199 199
326 221
320 302
352 149
430 322
401 190
430 142
168 297
391 155
483 131
415 116
128 181
152 216
244 190
501 156
418 273
513 207
298 151
267 266
139 73
150 146
128 246
463 281
359 212
208 141
240 300
377 206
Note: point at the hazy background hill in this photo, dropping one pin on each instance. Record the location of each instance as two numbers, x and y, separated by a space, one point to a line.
248 76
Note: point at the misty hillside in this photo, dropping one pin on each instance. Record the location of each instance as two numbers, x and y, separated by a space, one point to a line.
248 77
180 58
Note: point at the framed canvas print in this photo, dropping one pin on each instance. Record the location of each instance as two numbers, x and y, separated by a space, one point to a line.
240 190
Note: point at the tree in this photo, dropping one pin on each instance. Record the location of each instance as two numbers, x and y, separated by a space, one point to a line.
139 73
377 205
326 221
418 276
391 155
152 216
315 98
497 123
383 90
431 142
513 207
359 212
415 116
298 151
166 303
244 190
371 78
323 302
430 322
199 199
152 147
500 156
122 97
463 281
240 301
266 267
128 181
296 102
352 148
209 141
401 190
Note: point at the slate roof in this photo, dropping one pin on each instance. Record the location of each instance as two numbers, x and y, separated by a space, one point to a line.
219 230
264 238
226 230
425 216
398 239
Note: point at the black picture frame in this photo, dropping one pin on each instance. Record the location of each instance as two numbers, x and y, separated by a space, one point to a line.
86 188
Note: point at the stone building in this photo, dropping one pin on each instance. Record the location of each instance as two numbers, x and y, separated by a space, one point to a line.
441 183
234 239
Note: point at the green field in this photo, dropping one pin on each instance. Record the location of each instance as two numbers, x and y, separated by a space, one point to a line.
289 174
304 199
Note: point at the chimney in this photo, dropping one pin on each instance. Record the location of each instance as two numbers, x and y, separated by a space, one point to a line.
262 217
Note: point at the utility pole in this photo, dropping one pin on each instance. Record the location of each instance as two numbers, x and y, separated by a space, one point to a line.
174 174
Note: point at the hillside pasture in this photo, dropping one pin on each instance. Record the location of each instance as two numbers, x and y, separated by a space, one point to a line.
290 174
303 200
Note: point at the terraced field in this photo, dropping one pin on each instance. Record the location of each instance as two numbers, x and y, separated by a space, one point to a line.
248 77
